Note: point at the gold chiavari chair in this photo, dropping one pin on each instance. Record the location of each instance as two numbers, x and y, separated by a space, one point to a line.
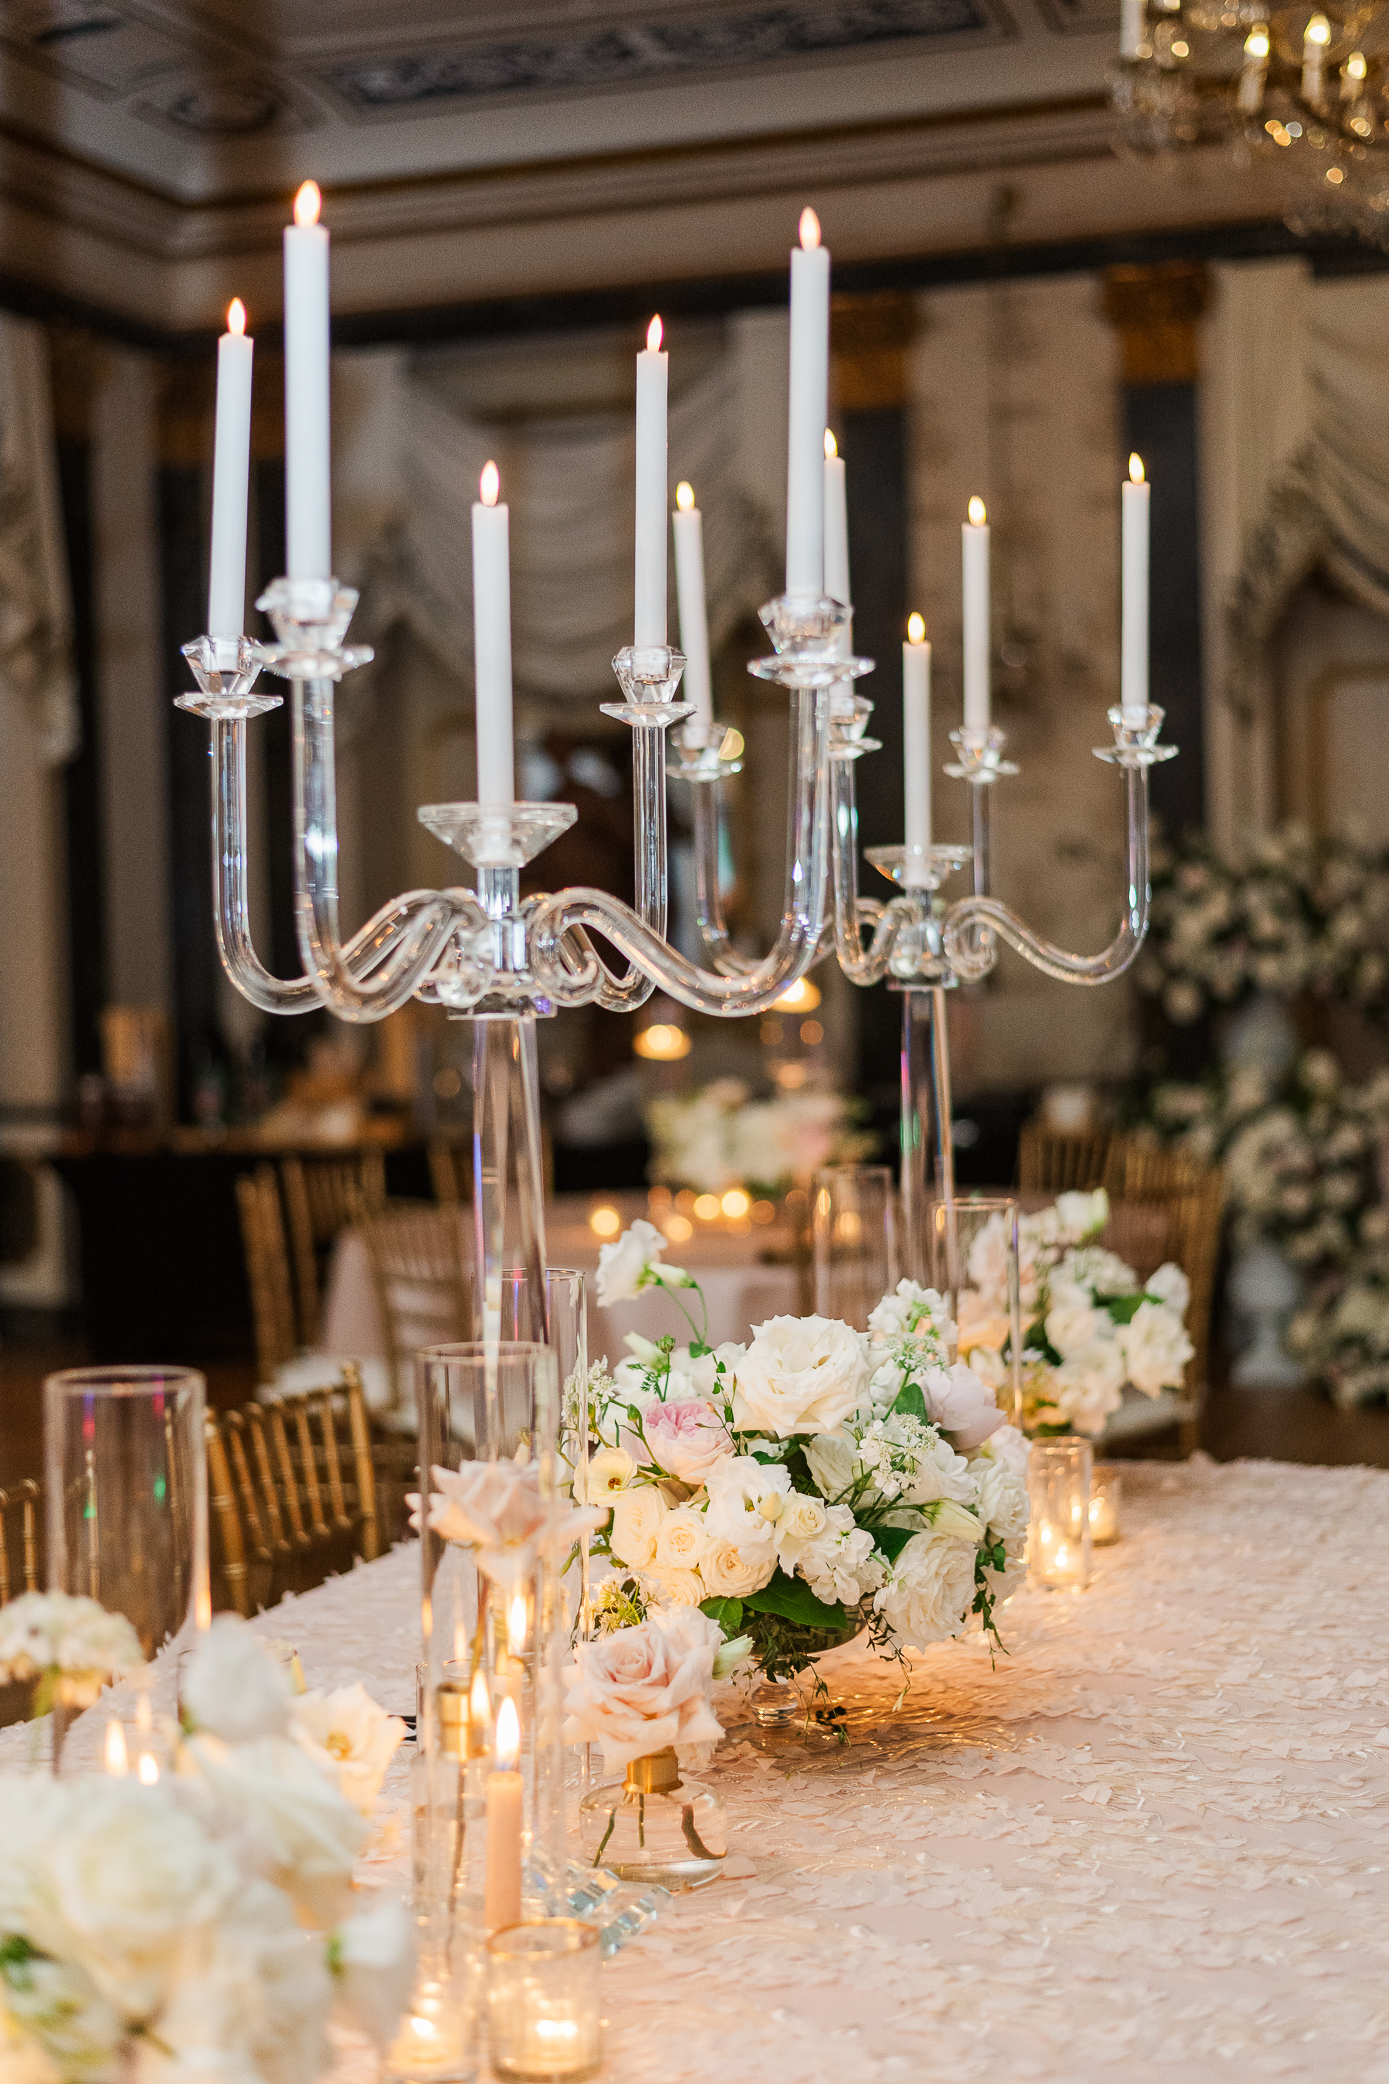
322 1197
267 1270
423 1290
21 1528
1192 1197
450 1171
1057 1161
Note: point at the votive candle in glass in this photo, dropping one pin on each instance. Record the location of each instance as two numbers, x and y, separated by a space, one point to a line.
1106 1496
1058 1487
543 2000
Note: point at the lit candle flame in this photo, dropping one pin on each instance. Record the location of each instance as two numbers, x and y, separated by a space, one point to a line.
236 316
508 1737
307 203
684 496
1318 30
1256 43
117 1758
489 485
1135 469
516 1625
810 228
831 445
479 1703
1355 63
977 515
916 629
654 333
148 1770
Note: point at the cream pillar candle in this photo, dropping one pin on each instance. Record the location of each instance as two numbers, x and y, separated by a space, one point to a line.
975 559
308 530
496 759
652 373
502 1889
916 750
1133 648
809 395
688 524
231 472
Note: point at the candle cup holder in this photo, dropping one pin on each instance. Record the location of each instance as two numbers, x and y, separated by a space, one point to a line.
849 716
1058 1489
1135 744
1106 1498
701 752
649 675
226 669
980 757
543 2001
807 633
310 618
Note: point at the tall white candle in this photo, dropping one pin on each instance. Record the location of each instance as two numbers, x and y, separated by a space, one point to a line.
1133 648
836 525
502 1886
231 470
496 767
688 524
307 525
975 556
652 371
916 749
1130 28
810 379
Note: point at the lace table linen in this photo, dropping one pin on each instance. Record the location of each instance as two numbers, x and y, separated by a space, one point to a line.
1153 1843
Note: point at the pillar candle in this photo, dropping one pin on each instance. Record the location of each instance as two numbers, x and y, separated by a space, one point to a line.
496 773
975 555
916 748
836 525
231 470
1130 28
307 528
652 368
502 1889
688 524
1133 679
810 376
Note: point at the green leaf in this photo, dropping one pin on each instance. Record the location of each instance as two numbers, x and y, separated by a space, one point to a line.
910 1403
793 1600
890 1541
698 1349
727 1612
1122 1308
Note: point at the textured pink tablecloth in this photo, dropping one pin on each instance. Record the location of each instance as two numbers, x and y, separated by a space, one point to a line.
1152 1845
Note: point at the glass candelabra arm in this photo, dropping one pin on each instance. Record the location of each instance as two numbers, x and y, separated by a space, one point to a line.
710 924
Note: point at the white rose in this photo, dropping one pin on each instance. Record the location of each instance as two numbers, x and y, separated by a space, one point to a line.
729 1573
1083 1214
962 1404
1156 1348
929 1590
801 1521
233 1686
643 1689
1003 1506
609 1471
1010 1447
832 1458
1171 1286
681 1539
349 1736
1072 1321
374 1958
308 1836
637 1517
672 1586
800 1375
251 2000
746 1498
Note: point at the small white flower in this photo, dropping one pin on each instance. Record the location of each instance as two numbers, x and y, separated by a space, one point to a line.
609 1471
745 1500
633 1262
351 1737
233 1686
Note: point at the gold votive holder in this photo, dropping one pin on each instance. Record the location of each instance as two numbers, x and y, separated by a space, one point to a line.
1106 1497
1058 1488
543 2000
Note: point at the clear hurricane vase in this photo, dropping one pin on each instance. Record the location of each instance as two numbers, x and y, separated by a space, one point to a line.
854 1229
655 1825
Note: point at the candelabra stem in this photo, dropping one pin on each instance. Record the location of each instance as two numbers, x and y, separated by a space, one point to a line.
982 809
231 904
712 927
927 1135
507 1154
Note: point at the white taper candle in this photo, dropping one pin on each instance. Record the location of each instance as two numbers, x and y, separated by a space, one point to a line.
916 750
496 761
975 560
1130 28
649 626
308 528
836 525
810 376
1133 648
231 471
688 524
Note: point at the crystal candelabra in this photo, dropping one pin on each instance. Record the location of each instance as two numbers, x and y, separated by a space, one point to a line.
502 961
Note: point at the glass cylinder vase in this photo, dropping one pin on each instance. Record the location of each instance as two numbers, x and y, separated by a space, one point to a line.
854 1227
655 1826
1058 1490
543 2001
974 1261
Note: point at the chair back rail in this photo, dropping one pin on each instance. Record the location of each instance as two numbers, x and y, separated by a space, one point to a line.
21 1509
322 1197
423 1286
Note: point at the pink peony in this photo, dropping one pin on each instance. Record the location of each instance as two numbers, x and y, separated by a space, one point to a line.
640 1690
686 1438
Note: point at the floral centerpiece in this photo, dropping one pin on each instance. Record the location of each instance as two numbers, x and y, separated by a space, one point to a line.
1090 1326
203 1925
719 1137
811 1483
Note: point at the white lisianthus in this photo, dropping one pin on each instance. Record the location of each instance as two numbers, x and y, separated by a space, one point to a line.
636 1522
929 1590
801 1521
233 1686
609 1471
306 1833
1171 1286
948 1516
633 1262
349 1736
732 1656
1083 1214
746 1498
372 1959
832 1458
681 1539
703 1368
1156 1348
799 1375
731 1573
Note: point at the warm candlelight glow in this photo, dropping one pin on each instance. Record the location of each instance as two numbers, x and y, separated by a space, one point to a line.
916 629
684 496
508 1737
653 335
810 228
662 1042
117 1759
605 1222
148 1770
977 515
1256 46
479 1703
1354 67
307 203
800 997
236 316
831 445
516 1625
489 485
1135 470
735 1203
1318 30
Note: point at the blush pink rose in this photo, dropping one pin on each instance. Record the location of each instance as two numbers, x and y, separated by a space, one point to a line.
495 1508
640 1690
686 1438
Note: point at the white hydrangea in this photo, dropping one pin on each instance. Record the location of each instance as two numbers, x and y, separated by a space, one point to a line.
929 1591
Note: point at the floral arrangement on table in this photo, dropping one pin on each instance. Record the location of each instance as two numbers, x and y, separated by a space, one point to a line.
66 1647
202 1925
802 1487
719 1137
647 1685
1288 915
1089 1325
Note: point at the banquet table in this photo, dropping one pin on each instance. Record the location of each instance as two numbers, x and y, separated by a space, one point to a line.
1151 1842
